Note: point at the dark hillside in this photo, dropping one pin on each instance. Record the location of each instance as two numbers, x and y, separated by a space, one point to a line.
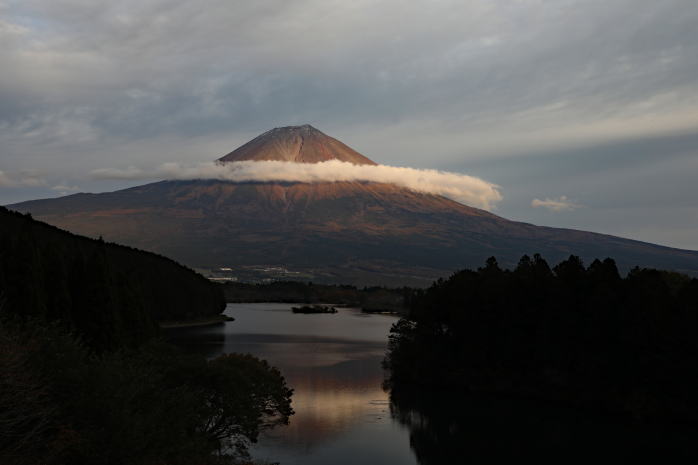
110 294
572 334
82 380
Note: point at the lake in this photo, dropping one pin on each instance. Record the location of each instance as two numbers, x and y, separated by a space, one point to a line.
333 363
343 416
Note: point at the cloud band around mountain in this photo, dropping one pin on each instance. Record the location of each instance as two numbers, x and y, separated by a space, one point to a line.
460 187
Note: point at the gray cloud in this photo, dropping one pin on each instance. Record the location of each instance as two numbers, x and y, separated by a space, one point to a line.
19 180
64 189
569 70
558 204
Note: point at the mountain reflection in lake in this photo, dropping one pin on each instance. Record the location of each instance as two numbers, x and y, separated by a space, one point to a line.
332 361
344 417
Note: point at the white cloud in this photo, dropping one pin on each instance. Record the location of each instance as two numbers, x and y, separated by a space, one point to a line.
559 204
64 189
5 181
116 173
460 187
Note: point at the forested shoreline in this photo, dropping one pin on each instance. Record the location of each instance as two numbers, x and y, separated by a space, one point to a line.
369 299
582 336
85 378
112 294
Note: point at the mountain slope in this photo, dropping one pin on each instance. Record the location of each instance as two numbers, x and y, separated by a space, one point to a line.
338 231
301 144
343 229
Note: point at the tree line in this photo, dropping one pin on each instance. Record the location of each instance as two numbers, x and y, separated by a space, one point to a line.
370 299
84 376
579 335
111 294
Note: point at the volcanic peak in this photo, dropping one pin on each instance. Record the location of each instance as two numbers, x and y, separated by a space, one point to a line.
300 144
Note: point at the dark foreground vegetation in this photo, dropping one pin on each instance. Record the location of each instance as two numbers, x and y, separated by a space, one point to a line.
83 376
111 294
581 336
370 299
62 404
476 428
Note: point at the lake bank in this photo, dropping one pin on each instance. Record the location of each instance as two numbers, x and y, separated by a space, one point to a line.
373 299
208 321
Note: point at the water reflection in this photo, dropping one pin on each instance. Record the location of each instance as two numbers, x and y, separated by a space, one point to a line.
344 417
333 364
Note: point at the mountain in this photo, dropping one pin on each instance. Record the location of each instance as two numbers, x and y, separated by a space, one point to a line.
110 294
300 144
353 232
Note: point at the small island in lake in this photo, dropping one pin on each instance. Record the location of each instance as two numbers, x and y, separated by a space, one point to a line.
314 309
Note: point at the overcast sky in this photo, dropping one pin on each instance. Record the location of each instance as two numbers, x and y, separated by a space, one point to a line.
584 112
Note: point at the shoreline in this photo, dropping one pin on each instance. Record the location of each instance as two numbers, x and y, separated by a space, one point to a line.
368 310
193 323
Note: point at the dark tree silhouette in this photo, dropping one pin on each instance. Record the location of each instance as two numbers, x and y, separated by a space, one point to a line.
574 334
111 294
83 378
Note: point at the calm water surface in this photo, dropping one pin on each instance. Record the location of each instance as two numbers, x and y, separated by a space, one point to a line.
344 417
333 364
